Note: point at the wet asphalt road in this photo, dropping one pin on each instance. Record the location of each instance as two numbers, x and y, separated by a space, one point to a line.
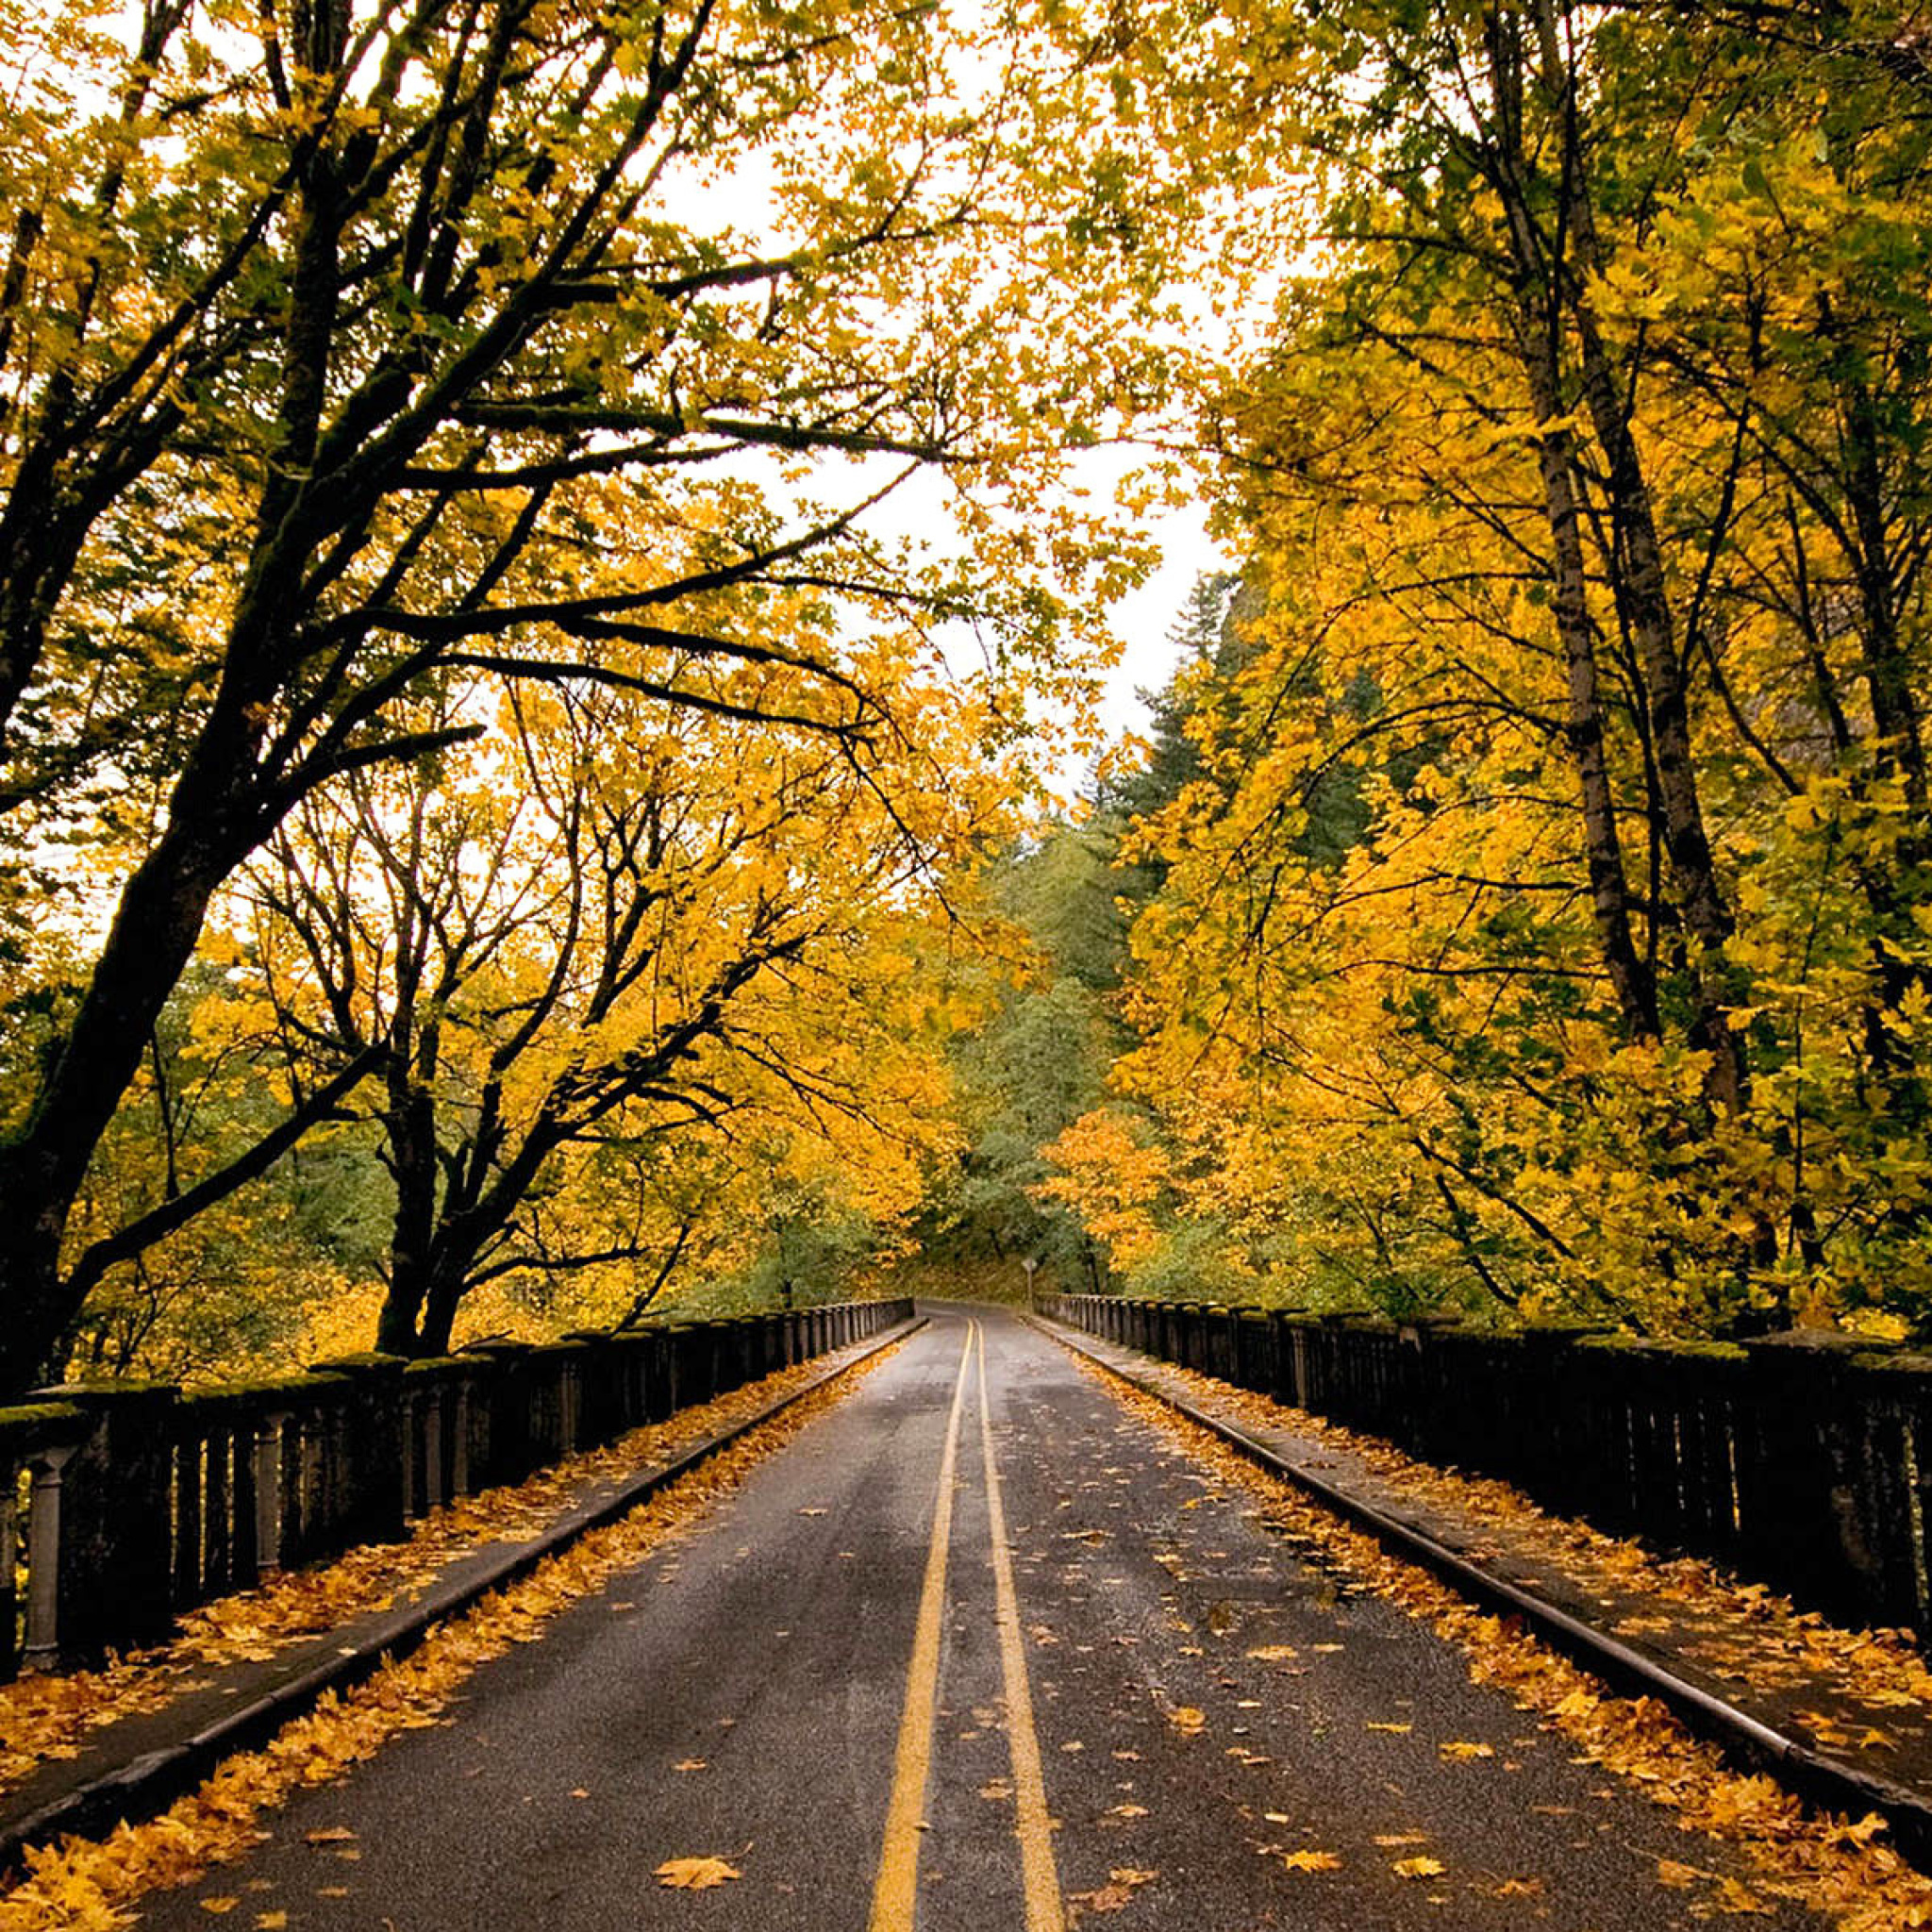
746 1695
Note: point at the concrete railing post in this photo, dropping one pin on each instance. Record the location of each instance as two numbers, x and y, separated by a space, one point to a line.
47 1469
115 1536
267 1453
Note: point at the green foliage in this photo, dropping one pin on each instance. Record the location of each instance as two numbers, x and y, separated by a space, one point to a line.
1040 1058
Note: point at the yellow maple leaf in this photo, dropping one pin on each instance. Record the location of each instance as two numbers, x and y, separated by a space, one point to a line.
694 1874
1312 1862
1188 1721
1420 1868
1461 1752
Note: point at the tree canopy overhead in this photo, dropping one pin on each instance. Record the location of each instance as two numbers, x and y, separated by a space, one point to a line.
348 350
1547 930
475 708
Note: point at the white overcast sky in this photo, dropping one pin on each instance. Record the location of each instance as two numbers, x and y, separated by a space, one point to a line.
1145 618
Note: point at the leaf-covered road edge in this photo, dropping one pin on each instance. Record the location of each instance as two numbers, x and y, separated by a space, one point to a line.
1879 1670
51 1714
1832 1866
87 1885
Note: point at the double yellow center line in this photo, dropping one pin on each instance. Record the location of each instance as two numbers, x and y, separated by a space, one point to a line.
894 1900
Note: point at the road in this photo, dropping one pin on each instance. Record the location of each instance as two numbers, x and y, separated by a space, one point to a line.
980 1650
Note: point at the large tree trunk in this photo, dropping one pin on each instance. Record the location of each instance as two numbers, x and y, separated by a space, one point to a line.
148 946
1586 733
1559 259
218 812
410 1129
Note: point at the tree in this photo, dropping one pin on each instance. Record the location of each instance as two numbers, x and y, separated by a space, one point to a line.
602 944
1545 928
335 346
1034 1066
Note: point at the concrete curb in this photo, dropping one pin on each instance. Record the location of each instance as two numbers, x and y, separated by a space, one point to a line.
145 1785
1812 1774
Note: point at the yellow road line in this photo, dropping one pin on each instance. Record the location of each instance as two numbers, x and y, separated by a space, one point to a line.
895 1892
1038 1879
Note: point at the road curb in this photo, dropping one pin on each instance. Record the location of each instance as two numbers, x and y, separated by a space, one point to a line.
1800 1765
143 1786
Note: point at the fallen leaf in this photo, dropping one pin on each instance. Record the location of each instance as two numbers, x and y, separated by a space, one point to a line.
328 1835
1188 1721
1676 1876
1394 1730
1274 1653
1462 1753
1420 1868
1312 1862
694 1874
219 1905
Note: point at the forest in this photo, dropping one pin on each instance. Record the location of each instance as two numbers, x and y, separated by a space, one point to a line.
556 560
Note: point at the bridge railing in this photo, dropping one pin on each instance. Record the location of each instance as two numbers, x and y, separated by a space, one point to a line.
123 1504
1801 1461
